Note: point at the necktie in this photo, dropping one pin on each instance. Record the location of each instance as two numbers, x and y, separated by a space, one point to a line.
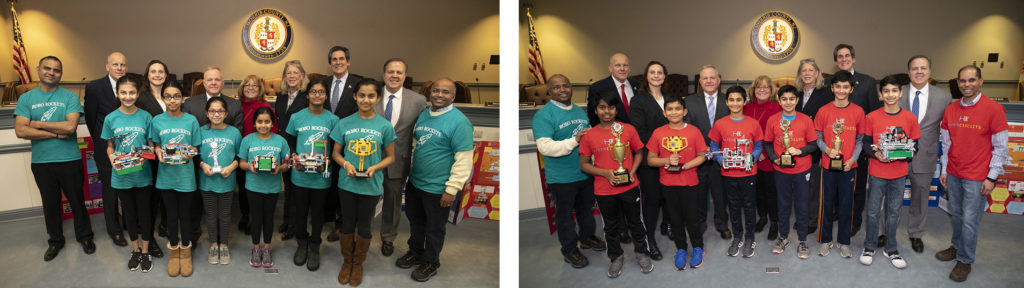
711 110
917 103
389 107
625 101
335 94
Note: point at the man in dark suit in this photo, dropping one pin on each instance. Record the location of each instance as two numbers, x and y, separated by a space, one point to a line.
865 95
704 109
341 102
100 100
402 107
618 83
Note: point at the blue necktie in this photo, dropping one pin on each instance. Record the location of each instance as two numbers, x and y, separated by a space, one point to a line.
335 94
388 108
917 104
711 110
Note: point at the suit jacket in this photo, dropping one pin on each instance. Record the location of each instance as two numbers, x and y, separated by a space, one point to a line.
196 105
865 92
99 101
645 114
347 104
819 98
607 85
928 146
149 103
697 112
284 112
413 105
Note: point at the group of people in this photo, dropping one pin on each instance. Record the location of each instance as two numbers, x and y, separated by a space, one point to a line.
335 146
764 152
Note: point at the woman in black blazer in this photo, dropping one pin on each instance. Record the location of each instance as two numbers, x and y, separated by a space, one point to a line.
645 113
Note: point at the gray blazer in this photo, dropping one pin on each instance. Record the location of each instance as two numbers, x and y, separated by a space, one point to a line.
413 105
196 105
697 112
938 100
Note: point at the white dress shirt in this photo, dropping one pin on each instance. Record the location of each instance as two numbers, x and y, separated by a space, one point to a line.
396 104
629 89
923 101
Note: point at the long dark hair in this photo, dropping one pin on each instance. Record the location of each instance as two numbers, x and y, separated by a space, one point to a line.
145 77
646 86
261 111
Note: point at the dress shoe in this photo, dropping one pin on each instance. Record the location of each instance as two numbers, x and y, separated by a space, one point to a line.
881 241
387 248
625 239
332 235
773 231
154 250
656 253
119 240
726 234
52 252
88 247
593 242
760 224
283 228
576 259
853 232
946 255
287 236
917 244
664 228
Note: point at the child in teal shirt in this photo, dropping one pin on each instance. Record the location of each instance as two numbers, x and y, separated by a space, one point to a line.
262 151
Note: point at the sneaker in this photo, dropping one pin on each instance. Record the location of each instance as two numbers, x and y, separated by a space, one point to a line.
225 255
213 256
680 260
646 266
268 258
615 269
698 257
734 248
408 260
895 259
134 261
424 272
780 245
593 242
576 259
867 256
748 250
146 262
824 249
844 251
254 258
802 251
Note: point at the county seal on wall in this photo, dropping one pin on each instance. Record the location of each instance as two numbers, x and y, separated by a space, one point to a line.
267 34
775 36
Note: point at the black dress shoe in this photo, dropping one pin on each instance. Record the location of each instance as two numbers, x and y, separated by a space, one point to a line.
161 231
387 248
424 272
854 231
773 231
576 259
917 244
726 234
881 241
283 228
593 242
656 253
119 240
408 260
154 250
88 247
332 236
664 228
625 239
52 252
760 224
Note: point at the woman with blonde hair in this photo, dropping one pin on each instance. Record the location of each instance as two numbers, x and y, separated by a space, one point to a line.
811 96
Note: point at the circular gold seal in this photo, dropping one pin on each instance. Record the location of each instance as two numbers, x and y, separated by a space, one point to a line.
267 34
775 36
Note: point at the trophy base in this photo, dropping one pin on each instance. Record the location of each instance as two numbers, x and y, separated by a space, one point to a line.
786 160
216 169
622 178
836 164
361 175
674 168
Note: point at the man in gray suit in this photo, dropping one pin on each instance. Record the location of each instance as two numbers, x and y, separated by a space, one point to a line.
703 117
928 103
402 107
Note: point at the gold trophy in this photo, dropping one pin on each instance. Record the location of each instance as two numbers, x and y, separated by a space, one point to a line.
786 159
362 148
674 144
837 143
618 151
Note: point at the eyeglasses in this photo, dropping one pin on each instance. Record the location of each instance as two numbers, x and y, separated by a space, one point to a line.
762 87
217 112
175 97
318 91
251 86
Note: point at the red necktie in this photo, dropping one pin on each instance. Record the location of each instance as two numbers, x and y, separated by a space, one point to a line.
625 101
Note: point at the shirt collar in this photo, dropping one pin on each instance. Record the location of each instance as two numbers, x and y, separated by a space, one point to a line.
560 105
443 110
398 94
975 101
343 77
706 95
619 84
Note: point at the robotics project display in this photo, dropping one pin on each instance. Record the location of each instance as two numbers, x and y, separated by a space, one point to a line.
894 144
131 162
737 158
314 161
177 153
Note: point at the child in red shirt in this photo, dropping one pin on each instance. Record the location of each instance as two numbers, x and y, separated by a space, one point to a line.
838 184
791 183
736 143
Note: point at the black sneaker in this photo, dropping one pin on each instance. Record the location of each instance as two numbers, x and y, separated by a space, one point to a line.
593 242
154 250
134 261
773 231
408 260
424 272
576 259
147 263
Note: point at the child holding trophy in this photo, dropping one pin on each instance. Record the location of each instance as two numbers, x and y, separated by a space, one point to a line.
736 143
263 155
678 148
615 146
217 182
789 141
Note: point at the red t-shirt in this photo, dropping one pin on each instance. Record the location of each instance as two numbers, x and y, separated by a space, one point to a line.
762 111
727 132
878 122
694 143
596 143
852 118
970 132
801 130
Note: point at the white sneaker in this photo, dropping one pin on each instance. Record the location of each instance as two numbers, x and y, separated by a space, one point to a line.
866 256
802 251
844 251
780 245
824 249
213 256
895 259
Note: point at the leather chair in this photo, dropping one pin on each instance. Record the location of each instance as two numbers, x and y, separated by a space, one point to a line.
188 79
270 87
677 84
537 94
954 89
197 88
778 82
314 76
425 89
10 98
462 94
23 88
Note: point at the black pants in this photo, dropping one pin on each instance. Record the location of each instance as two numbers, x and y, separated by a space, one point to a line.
793 192
357 212
307 202
860 192
52 178
613 208
742 194
332 210
710 177
179 215
652 199
427 223
814 198
243 198
111 215
767 198
135 202
576 197
684 210
156 205
262 205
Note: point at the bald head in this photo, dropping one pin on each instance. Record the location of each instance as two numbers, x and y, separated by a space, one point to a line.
560 89
618 66
116 65
212 81
442 93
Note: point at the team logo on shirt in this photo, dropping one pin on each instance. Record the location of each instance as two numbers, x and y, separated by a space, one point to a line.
737 133
963 118
127 140
48 114
423 139
314 138
177 139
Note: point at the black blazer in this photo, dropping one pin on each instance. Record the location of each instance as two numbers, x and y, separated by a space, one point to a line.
645 114
149 103
697 112
819 98
347 104
865 92
607 85
284 112
99 101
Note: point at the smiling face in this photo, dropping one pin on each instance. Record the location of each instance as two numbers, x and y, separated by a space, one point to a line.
560 90
50 72
366 98
605 112
788 102
116 66
213 82
969 82
845 60
619 67
293 77
394 76
890 94
709 80
263 123
127 93
842 90
317 94
808 74
920 71
655 75
674 112
172 98
157 74
442 93
763 91
216 113
735 102
339 63
251 89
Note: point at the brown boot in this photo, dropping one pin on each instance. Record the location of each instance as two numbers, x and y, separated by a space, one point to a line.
185 254
173 266
362 246
960 271
347 244
946 255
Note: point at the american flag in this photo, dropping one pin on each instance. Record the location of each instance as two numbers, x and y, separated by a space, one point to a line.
536 61
20 65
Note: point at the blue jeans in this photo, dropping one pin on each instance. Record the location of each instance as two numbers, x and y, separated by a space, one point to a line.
892 191
836 191
966 204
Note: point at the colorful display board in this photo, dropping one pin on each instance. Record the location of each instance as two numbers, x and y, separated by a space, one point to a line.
92 187
480 199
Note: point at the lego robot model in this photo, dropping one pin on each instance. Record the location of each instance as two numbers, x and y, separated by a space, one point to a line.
314 161
177 153
130 162
737 158
894 144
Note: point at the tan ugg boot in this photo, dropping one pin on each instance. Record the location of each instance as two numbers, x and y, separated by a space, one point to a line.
347 247
185 254
362 246
173 266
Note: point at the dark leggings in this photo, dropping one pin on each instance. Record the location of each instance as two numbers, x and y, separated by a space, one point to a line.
357 211
767 198
135 202
179 214
262 207
305 202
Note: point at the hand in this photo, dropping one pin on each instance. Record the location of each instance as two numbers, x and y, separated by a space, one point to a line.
987 186
447 199
252 167
760 157
226 171
193 149
673 160
35 124
280 168
206 169
369 171
833 153
881 158
350 170
62 136
794 151
160 155
580 135
611 176
849 164
777 162
942 180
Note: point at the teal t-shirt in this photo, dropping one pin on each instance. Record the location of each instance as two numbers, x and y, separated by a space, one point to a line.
379 133
127 132
253 146
308 128
37 105
226 141
166 129
559 124
437 140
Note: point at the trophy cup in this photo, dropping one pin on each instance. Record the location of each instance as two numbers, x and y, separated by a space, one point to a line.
786 159
674 144
362 148
837 143
215 149
618 151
